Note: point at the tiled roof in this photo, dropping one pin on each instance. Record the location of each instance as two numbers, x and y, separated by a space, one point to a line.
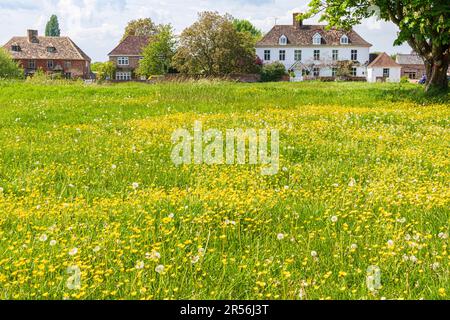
66 49
409 59
131 46
303 36
383 61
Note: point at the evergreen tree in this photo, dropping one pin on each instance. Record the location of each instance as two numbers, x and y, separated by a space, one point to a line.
52 27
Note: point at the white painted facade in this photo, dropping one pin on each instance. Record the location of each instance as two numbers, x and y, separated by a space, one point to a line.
390 74
325 61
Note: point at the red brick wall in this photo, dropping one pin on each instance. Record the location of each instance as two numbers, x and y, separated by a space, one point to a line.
133 65
78 68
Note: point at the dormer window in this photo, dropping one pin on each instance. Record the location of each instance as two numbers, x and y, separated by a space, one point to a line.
283 40
15 48
51 49
317 39
344 39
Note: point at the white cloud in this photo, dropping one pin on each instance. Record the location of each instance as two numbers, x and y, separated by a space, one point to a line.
97 25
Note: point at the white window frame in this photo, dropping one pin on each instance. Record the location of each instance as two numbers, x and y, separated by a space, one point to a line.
334 71
316 55
354 72
123 61
388 72
267 55
123 75
50 64
298 55
354 55
335 54
316 72
31 64
283 40
317 39
282 55
344 39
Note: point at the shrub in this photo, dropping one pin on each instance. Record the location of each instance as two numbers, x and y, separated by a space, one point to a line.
9 69
404 79
273 72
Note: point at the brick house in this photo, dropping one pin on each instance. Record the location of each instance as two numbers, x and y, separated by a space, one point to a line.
412 65
126 57
50 54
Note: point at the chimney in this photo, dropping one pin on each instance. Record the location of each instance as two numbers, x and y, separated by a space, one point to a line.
296 22
32 36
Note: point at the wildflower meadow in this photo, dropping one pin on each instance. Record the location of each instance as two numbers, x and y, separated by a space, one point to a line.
93 207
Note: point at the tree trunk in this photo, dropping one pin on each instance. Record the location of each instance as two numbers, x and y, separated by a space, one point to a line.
436 66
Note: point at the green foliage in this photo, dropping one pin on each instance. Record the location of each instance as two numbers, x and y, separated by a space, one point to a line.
52 27
140 27
404 79
248 27
9 69
423 24
104 70
213 47
273 72
159 53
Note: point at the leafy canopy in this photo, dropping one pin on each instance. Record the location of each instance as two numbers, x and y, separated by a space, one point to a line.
157 56
9 69
52 27
140 27
213 47
247 26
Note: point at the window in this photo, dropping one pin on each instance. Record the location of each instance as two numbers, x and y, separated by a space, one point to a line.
317 39
298 55
354 55
15 48
68 75
316 55
50 64
51 49
333 72
31 64
283 40
123 76
335 55
282 55
123 61
267 55
344 39
316 72
67 64
386 73
353 72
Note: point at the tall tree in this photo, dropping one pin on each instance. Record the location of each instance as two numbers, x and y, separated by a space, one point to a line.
9 69
157 56
423 24
213 47
247 26
52 27
140 27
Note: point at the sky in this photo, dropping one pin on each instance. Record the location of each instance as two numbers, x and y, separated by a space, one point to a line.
97 25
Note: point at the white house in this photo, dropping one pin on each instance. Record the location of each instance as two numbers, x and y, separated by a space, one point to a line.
311 51
383 69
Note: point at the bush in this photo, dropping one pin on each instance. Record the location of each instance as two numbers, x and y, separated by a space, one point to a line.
404 79
273 72
9 69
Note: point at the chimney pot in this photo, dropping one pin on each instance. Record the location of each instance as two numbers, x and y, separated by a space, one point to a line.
297 23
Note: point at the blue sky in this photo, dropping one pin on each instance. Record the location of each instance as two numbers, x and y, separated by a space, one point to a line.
97 25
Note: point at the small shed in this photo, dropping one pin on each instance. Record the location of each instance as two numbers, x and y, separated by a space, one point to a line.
383 69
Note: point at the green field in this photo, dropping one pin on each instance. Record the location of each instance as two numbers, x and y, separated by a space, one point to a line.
87 184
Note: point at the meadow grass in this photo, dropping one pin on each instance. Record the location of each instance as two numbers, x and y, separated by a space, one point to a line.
86 181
